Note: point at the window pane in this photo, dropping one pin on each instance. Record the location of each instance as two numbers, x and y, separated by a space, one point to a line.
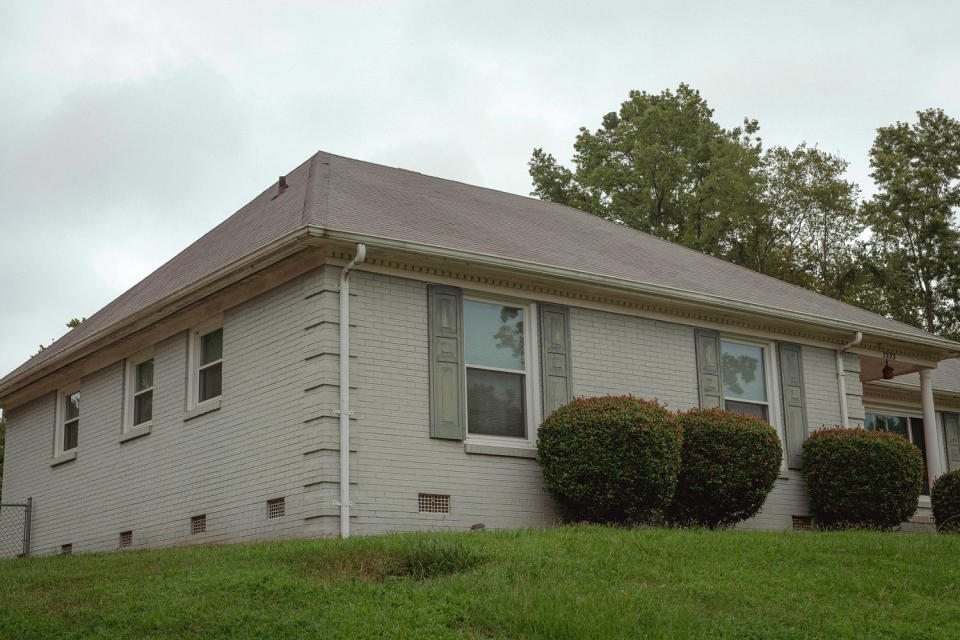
870 422
210 382
144 375
493 335
70 432
73 406
895 424
758 410
495 403
743 372
211 347
143 408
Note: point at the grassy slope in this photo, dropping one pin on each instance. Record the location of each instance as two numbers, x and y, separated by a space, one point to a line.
570 582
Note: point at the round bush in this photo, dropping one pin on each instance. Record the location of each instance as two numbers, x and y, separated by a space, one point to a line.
862 479
729 463
945 500
613 459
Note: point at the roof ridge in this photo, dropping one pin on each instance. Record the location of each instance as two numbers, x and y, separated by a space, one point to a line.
310 196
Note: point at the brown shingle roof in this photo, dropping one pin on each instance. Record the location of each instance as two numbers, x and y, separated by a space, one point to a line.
341 194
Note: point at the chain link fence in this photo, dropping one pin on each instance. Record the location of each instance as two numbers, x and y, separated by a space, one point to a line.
15 529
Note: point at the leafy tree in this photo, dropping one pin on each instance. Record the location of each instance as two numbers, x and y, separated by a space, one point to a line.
661 165
916 244
803 226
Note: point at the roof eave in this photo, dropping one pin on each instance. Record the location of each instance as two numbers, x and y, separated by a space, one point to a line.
950 347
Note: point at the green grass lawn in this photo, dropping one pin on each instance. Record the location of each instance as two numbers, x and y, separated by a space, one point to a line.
570 582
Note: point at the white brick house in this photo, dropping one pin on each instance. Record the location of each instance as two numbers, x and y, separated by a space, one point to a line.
206 404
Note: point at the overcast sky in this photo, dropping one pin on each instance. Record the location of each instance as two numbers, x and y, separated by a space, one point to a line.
128 129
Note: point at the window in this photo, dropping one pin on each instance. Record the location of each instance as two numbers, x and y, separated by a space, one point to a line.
68 420
211 365
744 379
909 427
138 410
498 372
206 363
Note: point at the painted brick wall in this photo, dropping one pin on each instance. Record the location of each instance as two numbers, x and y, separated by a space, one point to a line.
225 464
276 432
619 354
397 459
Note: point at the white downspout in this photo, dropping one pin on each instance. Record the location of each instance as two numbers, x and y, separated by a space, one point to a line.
345 390
841 383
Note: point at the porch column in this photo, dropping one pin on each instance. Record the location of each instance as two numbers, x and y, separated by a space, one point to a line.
930 426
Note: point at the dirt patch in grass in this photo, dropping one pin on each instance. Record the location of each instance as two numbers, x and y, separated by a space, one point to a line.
419 558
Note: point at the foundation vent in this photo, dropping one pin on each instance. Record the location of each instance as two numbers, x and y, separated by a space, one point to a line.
433 503
66 549
126 539
276 508
198 524
802 523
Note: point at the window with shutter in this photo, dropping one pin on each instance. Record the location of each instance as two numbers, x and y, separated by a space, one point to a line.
484 367
739 374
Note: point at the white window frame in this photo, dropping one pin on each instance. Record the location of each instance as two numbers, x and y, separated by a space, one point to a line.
62 395
130 389
771 370
531 362
193 365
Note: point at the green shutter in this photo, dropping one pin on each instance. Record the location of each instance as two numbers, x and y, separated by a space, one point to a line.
951 438
794 409
554 356
709 373
447 418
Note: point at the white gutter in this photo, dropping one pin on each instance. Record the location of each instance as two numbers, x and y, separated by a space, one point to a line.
345 390
841 383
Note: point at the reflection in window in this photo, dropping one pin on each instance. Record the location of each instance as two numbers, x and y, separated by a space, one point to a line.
143 393
71 422
211 365
744 379
494 350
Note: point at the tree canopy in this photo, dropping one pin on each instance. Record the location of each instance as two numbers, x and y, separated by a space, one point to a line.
663 165
913 216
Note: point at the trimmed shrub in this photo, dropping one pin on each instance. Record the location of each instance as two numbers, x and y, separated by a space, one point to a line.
729 464
861 479
613 459
945 500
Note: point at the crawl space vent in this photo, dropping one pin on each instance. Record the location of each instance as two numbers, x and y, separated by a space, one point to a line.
276 508
198 524
126 539
801 523
66 549
433 503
